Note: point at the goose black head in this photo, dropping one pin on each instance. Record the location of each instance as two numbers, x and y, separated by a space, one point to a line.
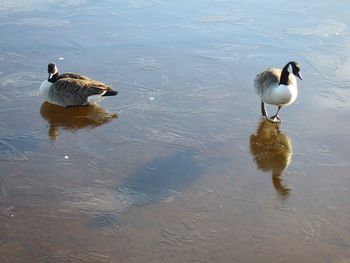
285 73
296 69
53 71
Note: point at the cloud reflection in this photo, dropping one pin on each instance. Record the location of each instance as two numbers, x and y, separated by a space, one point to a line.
272 151
73 118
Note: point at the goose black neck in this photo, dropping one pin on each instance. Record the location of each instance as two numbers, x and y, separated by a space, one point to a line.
54 78
284 75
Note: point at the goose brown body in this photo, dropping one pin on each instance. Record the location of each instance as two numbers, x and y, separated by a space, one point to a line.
72 89
277 87
266 83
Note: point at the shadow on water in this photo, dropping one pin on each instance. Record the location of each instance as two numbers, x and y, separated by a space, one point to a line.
163 178
272 151
74 118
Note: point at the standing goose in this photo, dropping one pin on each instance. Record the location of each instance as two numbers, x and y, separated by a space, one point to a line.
72 89
277 87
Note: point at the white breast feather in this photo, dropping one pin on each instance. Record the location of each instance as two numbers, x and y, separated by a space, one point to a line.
44 89
281 95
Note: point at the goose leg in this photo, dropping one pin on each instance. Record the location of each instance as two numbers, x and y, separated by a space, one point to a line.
263 110
275 117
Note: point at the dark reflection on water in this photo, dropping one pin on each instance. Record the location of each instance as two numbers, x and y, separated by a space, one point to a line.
160 180
73 118
164 176
272 151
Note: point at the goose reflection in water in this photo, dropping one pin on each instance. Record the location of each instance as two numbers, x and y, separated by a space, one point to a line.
74 118
272 151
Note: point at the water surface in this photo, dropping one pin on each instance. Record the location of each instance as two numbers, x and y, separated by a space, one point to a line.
178 167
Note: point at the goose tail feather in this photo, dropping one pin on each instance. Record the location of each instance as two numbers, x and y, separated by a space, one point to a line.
110 93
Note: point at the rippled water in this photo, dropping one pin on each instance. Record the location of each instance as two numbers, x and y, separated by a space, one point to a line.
178 167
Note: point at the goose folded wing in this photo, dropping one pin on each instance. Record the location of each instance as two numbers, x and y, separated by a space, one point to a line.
268 78
73 76
76 91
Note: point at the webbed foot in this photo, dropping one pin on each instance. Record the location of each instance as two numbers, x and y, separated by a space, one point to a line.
275 118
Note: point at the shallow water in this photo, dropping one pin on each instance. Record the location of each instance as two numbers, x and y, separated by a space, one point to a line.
178 167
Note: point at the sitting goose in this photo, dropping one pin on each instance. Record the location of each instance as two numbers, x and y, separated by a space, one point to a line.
277 87
72 89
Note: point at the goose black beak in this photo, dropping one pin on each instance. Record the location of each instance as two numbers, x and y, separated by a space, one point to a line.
299 76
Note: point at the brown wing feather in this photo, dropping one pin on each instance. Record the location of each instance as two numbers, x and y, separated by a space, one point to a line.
73 76
266 79
70 91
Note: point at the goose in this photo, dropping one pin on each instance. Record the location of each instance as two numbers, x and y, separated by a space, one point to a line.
277 87
72 89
